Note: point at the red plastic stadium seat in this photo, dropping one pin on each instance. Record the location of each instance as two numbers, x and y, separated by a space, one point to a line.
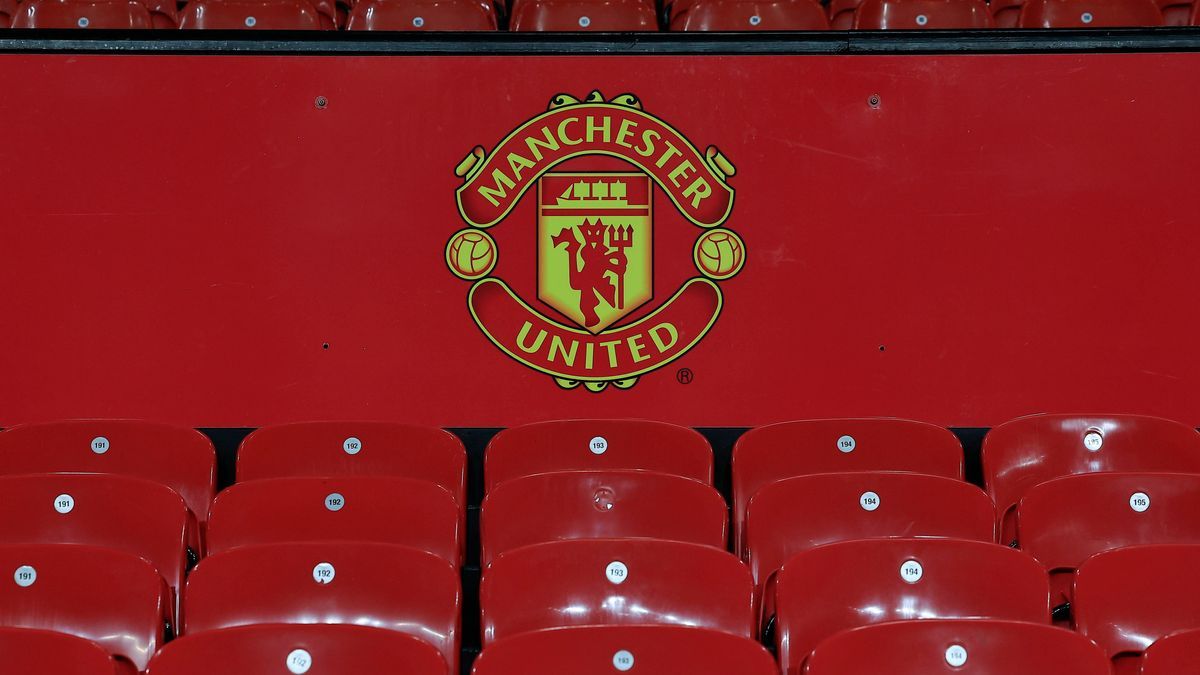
1089 14
1065 521
274 648
136 516
381 585
1128 598
917 14
583 15
251 14
826 590
8 9
114 14
841 13
597 445
110 597
797 514
593 650
789 449
613 582
598 504
405 15
1173 654
1024 452
981 646
355 448
29 651
740 15
412 513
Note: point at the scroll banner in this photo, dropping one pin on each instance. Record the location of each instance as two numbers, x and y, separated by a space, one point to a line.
616 354
496 184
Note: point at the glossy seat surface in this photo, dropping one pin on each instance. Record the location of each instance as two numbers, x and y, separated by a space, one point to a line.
112 598
596 445
583 15
951 646
251 15
593 650
413 513
336 582
335 649
355 448
922 14
836 587
1172 654
1024 452
613 582
409 15
30 651
1089 14
770 453
95 14
748 15
598 504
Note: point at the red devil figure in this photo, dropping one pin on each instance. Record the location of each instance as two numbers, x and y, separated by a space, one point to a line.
597 268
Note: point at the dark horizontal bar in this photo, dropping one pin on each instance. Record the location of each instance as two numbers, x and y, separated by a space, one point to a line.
342 43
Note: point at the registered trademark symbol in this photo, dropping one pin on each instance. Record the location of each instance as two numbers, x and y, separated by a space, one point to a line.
685 375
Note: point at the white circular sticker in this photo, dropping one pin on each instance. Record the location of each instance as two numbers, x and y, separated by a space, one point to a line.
616 572
869 501
598 445
1093 440
584 22
250 21
1139 501
334 501
299 661
755 20
64 503
1086 17
922 19
956 655
846 444
911 571
25 576
623 660
100 445
352 446
324 573
82 22
418 21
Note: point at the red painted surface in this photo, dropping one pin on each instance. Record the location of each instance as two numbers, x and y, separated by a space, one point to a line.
1001 235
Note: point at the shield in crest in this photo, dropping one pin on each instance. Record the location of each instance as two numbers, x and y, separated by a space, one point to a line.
595 245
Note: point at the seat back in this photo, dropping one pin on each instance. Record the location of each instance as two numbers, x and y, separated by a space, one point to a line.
596 445
180 458
133 515
1089 14
251 15
832 588
355 448
798 514
598 504
31 651
1024 452
583 15
407 15
597 650
1064 521
110 597
1172 654
110 14
745 15
613 582
382 585
1128 598
979 646
788 449
277 648
413 513
922 14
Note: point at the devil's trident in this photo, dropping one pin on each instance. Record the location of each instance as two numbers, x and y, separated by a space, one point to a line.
620 238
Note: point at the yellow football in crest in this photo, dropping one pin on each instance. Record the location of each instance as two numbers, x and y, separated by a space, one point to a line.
471 254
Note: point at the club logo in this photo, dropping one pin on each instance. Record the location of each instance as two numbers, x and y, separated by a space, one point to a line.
595 240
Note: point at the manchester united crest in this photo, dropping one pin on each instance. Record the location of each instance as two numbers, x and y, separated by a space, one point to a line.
598 324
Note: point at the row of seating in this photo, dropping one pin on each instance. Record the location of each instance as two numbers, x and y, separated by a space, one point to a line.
593 15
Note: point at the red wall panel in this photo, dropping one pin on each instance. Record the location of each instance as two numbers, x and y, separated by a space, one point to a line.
1000 235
